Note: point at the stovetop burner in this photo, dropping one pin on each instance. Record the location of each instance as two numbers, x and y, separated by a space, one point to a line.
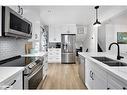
17 61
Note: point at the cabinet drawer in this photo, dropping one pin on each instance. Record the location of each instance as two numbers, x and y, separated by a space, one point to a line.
14 82
50 54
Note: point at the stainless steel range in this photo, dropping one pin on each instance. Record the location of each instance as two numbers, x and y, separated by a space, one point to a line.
33 73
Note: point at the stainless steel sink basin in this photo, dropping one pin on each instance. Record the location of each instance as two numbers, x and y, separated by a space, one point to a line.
110 62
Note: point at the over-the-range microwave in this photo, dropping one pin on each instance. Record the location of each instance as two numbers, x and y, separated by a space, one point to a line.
13 24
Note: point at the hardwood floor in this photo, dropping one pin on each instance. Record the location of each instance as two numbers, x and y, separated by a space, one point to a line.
63 76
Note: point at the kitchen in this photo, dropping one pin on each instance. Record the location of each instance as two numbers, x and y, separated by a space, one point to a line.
42 48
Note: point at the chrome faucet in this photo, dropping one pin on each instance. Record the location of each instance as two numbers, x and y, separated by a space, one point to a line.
118 52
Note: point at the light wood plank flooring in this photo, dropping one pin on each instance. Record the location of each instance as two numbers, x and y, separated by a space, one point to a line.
63 76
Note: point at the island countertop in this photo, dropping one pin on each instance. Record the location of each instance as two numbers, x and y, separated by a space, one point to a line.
35 54
118 71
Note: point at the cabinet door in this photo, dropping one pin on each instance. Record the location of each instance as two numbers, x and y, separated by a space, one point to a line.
99 77
96 78
57 31
36 31
114 83
82 68
51 33
73 29
88 79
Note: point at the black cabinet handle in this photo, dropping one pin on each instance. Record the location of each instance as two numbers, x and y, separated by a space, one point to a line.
11 84
21 11
108 88
124 88
92 76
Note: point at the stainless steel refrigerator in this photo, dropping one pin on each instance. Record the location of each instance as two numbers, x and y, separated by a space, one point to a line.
68 50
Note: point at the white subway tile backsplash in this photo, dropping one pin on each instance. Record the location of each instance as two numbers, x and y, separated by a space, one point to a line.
10 47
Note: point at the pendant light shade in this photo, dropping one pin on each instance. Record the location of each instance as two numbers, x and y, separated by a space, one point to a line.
97 23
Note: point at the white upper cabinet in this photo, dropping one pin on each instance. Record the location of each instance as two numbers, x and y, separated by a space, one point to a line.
33 14
22 10
36 31
71 29
55 31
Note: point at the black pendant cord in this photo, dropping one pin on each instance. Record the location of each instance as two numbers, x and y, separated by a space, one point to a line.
96 15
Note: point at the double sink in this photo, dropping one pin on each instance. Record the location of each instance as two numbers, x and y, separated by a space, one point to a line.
109 62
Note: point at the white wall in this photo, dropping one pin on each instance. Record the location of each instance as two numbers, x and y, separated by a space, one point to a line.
111 36
90 41
108 35
110 12
102 37
109 30
10 47
80 36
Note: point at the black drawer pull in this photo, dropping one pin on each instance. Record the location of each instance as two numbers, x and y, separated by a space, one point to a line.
11 84
124 88
92 76
90 73
108 88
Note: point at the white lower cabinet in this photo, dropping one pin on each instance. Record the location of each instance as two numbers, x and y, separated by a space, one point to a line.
54 55
14 82
88 79
97 78
114 83
94 76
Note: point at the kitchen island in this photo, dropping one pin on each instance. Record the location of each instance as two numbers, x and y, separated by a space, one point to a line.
102 76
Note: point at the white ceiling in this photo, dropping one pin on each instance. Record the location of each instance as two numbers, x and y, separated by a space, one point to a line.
66 14
119 19
76 14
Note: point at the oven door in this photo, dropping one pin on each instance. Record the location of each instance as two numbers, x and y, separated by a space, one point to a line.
35 78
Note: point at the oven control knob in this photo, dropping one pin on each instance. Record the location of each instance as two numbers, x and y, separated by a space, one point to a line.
29 67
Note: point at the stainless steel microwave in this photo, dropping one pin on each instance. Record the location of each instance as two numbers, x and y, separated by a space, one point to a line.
13 24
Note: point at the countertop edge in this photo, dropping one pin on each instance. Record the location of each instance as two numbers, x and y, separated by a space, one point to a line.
35 54
13 73
103 66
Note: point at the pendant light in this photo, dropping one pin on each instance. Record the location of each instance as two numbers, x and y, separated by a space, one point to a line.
97 23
